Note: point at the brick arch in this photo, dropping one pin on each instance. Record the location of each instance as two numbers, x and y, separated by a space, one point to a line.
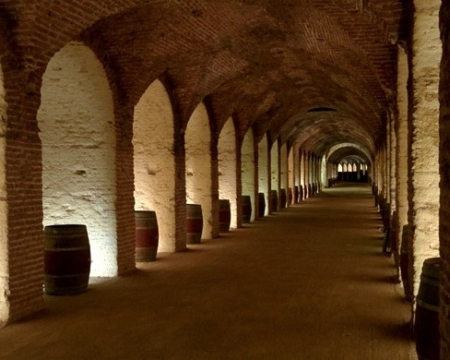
321 134
337 152
350 152
52 24
76 119
203 66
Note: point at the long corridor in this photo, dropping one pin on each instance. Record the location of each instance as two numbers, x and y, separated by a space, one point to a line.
309 282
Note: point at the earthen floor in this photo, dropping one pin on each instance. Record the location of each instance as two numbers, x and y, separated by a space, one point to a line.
309 282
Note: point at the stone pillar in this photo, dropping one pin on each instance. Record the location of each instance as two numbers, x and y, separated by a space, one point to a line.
392 162
426 50
402 154
445 182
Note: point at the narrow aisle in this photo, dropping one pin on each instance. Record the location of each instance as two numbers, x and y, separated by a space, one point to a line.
306 283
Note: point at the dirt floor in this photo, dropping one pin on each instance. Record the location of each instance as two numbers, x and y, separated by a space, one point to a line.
309 282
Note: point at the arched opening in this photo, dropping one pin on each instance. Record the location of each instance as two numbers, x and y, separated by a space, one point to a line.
248 168
292 175
76 120
227 168
4 260
302 172
284 171
325 171
198 166
154 162
275 170
263 170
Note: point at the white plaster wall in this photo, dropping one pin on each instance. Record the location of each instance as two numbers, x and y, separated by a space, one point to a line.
427 52
76 120
4 273
248 168
227 168
402 142
302 168
324 172
297 161
284 171
291 173
275 168
263 171
306 175
198 166
393 164
154 162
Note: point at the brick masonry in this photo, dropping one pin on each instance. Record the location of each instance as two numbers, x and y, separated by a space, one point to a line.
308 75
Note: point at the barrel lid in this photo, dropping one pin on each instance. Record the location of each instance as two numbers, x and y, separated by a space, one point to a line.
430 267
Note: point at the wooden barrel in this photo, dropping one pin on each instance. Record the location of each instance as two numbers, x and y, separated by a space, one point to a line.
147 236
426 326
67 259
283 198
261 204
194 223
273 200
224 215
404 262
246 208
296 194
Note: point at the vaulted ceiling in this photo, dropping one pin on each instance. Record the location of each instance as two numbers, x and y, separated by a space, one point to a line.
315 73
